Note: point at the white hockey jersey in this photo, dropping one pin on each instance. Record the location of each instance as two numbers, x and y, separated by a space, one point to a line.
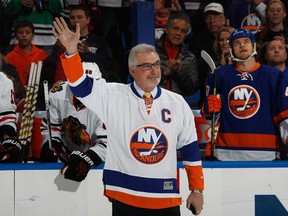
141 163
7 103
62 105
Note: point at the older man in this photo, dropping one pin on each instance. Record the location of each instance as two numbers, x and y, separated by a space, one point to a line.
146 125
178 65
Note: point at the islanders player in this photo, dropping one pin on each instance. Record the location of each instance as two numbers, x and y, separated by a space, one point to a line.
143 134
245 104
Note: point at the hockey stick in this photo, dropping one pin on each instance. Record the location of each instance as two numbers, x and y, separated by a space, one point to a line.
25 132
62 155
207 58
46 96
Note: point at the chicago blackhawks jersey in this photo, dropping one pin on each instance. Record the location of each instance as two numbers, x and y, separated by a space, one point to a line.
7 104
141 163
62 105
249 104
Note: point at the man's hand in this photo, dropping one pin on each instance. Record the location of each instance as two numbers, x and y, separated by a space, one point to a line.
10 150
196 200
68 38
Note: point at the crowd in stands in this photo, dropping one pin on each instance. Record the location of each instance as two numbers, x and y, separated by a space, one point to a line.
181 33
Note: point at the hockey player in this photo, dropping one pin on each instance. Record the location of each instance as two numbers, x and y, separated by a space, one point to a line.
74 128
10 147
244 103
143 133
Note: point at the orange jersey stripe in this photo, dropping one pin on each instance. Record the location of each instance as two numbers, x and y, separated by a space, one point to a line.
261 141
143 202
194 173
72 67
280 117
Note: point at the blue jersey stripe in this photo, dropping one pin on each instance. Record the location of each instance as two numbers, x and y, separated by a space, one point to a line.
148 185
84 88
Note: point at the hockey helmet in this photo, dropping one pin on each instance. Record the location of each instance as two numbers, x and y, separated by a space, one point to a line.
240 33
92 70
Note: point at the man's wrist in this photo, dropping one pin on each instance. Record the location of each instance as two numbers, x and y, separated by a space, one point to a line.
197 191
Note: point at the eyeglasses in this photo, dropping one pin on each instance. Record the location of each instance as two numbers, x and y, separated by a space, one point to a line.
148 66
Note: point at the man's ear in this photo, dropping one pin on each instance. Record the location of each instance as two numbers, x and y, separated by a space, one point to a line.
132 71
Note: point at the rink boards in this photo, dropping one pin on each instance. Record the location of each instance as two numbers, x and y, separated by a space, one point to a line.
231 188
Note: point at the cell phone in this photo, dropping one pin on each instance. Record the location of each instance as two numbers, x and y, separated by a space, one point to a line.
167 3
192 209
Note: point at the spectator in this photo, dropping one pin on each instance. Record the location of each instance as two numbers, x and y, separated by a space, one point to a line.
222 47
162 11
41 14
10 147
248 14
204 40
74 128
275 54
93 48
25 52
275 15
92 4
159 127
178 65
245 104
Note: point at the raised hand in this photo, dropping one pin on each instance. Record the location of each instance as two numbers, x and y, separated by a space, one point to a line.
68 38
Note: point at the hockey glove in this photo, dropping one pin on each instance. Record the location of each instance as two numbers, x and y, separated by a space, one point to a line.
213 104
51 154
80 164
76 131
10 151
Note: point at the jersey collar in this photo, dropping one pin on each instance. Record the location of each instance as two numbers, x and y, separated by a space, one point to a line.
156 92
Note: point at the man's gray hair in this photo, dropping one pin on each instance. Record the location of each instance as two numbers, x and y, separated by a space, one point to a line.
178 16
140 48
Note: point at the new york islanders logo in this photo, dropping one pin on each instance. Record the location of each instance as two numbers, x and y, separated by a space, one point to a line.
252 22
148 145
244 101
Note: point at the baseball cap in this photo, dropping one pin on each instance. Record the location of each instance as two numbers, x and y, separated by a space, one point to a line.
214 7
